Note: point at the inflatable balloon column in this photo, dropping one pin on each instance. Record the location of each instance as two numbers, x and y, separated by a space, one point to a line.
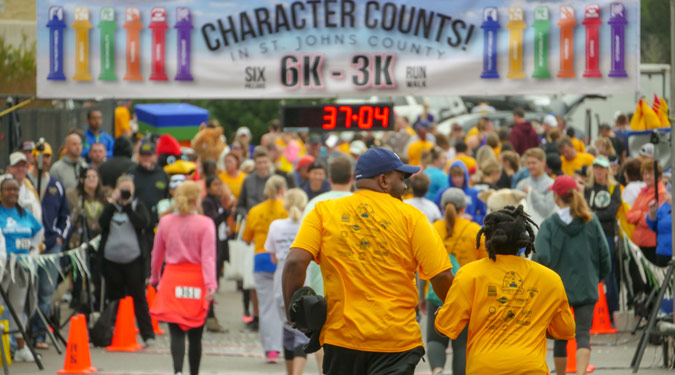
56 24
107 25
491 26
541 26
618 22
158 26
184 28
516 25
566 23
592 22
81 25
133 27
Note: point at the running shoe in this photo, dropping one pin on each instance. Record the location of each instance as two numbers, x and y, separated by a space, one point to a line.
23 355
246 318
272 356
253 324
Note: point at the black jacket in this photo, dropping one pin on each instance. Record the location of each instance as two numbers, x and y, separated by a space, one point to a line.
151 187
605 204
121 162
213 208
139 219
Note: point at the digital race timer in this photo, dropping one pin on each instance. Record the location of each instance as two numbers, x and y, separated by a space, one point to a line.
338 117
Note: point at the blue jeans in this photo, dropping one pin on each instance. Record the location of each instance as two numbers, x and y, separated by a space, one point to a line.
611 280
47 281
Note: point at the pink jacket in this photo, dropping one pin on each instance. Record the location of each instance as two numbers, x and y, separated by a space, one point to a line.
185 239
642 235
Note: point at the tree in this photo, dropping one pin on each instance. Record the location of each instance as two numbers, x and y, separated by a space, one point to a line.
655 31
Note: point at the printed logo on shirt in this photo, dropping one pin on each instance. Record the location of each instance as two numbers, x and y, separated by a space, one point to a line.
492 291
120 218
11 223
160 185
602 199
511 283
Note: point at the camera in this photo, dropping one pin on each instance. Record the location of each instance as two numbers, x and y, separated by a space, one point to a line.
125 194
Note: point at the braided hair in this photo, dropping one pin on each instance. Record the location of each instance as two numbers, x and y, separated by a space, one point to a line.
506 231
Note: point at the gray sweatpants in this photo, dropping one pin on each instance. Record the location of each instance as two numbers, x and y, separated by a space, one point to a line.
17 292
271 326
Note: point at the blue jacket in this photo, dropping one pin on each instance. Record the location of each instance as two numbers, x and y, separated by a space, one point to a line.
103 137
476 208
55 213
663 229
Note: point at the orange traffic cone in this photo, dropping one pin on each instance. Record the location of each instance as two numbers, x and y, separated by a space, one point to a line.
150 296
601 322
124 337
78 359
572 358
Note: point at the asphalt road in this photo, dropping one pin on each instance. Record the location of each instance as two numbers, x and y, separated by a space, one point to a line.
239 352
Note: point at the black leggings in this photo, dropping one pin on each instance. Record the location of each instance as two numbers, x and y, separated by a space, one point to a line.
178 347
583 317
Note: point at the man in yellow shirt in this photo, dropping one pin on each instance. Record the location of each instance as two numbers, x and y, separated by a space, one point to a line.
369 246
510 303
572 159
576 142
462 154
122 119
417 147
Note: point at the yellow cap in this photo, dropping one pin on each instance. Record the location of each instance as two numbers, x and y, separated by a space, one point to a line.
46 151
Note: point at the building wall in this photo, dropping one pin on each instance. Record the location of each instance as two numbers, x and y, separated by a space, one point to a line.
17 19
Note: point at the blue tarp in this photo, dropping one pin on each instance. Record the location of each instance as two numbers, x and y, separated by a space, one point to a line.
171 114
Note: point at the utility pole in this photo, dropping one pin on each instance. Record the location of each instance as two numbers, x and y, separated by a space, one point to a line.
672 102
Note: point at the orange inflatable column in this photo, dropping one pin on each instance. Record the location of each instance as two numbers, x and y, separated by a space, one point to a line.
133 27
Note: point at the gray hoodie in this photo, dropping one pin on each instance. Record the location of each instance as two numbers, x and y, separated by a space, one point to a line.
540 196
67 171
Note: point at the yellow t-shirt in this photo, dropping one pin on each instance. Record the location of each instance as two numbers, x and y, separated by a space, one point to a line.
510 304
415 150
234 183
258 222
473 131
468 161
462 243
369 246
344 148
578 145
122 117
569 166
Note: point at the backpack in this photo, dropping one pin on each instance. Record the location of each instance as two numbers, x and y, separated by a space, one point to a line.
101 334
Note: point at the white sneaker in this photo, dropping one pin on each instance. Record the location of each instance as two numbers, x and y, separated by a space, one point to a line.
23 355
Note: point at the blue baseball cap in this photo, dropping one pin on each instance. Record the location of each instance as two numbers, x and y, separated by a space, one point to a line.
377 161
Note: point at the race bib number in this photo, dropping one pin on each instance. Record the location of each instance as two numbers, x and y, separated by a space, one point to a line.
188 292
222 232
22 243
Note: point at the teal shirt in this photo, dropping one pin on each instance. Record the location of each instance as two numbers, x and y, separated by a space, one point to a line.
314 278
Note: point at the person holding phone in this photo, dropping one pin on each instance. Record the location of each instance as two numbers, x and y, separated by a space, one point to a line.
124 250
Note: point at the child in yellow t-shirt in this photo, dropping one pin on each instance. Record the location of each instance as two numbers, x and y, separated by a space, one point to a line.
510 303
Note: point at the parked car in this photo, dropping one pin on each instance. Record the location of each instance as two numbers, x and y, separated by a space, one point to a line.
500 119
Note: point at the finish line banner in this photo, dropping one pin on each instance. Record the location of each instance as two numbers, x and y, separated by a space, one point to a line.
334 48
